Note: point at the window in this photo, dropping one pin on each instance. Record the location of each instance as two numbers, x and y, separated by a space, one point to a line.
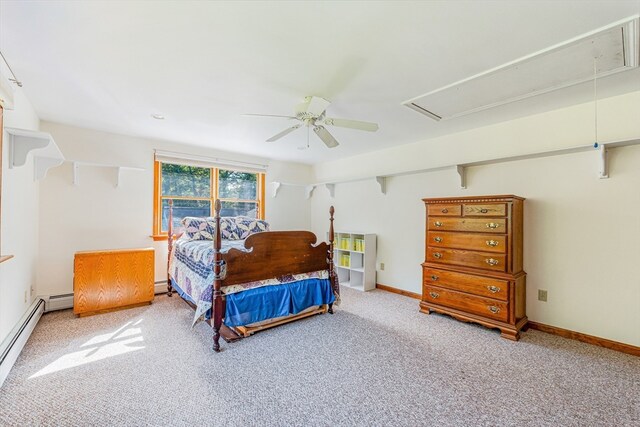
194 190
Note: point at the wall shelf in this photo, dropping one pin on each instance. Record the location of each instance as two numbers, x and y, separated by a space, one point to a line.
119 168
4 258
330 186
277 185
601 153
46 153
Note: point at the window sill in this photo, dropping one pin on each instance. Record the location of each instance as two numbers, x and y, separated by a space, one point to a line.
4 258
159 237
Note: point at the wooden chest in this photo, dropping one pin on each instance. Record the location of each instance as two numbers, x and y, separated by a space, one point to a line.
107 280
473 261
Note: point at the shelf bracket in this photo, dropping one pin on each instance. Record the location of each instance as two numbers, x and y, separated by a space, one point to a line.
76 173
46 153
462 173
308 191
382 182
332 189
20 146
603 160
43 164
275 187
118 177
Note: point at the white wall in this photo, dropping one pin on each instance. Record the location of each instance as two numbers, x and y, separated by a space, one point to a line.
19 223
582 234
96 215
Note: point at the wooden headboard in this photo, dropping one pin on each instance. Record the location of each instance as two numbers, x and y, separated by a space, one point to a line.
274 254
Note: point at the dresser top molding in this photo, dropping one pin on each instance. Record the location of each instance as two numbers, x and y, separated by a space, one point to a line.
501 198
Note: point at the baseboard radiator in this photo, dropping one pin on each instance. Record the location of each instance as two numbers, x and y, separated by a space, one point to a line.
65 301
58 302
14 343
160 287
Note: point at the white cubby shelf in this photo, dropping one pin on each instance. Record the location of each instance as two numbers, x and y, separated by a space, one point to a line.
355 259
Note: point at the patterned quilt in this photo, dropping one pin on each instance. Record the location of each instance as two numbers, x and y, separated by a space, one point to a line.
191 267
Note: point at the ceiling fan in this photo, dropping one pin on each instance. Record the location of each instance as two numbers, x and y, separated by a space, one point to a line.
311 113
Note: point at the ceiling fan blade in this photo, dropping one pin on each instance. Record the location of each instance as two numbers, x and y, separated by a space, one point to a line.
267 115
325 136
283 133
317 105
352 124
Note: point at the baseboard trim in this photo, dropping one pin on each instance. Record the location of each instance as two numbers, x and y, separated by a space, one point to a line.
12 346
565 333
160 287
398 291
589 339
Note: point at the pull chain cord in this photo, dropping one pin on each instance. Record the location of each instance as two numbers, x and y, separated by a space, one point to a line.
595 100
307 146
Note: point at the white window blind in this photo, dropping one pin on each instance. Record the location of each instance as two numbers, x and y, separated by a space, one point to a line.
207 162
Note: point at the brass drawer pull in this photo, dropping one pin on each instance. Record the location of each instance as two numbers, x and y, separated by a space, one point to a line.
491 261
445 210
492 243
434 277
493 225
493 309
493 289
437 255
438 224
434 295
484 210
438 239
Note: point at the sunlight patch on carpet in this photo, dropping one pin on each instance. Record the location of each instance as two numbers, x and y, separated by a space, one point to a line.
123 340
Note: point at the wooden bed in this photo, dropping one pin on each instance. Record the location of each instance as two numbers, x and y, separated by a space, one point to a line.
270 254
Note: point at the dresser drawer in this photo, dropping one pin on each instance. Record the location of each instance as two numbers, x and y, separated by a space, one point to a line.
485 209
485 307
477 285
485 261
480 225
444 210
472 241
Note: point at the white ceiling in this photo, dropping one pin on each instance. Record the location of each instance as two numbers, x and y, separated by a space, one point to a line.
110 65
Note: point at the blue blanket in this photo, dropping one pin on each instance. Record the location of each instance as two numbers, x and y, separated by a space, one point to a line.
267 302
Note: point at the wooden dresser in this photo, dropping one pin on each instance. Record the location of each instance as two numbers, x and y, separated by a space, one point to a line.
473 261
107 280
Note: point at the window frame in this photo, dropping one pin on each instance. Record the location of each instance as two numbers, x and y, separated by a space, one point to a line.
158 234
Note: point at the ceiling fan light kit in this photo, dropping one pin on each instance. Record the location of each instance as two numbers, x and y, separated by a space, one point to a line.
311 113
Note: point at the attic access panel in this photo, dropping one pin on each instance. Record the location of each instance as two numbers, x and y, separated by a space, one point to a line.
572 62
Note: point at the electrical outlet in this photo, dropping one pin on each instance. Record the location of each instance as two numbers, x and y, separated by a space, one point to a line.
381 266
542 295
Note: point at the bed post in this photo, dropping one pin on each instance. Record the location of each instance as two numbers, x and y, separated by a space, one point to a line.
170 247
216 295
332 272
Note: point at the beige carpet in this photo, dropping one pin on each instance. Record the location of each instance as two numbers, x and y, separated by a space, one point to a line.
376 362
